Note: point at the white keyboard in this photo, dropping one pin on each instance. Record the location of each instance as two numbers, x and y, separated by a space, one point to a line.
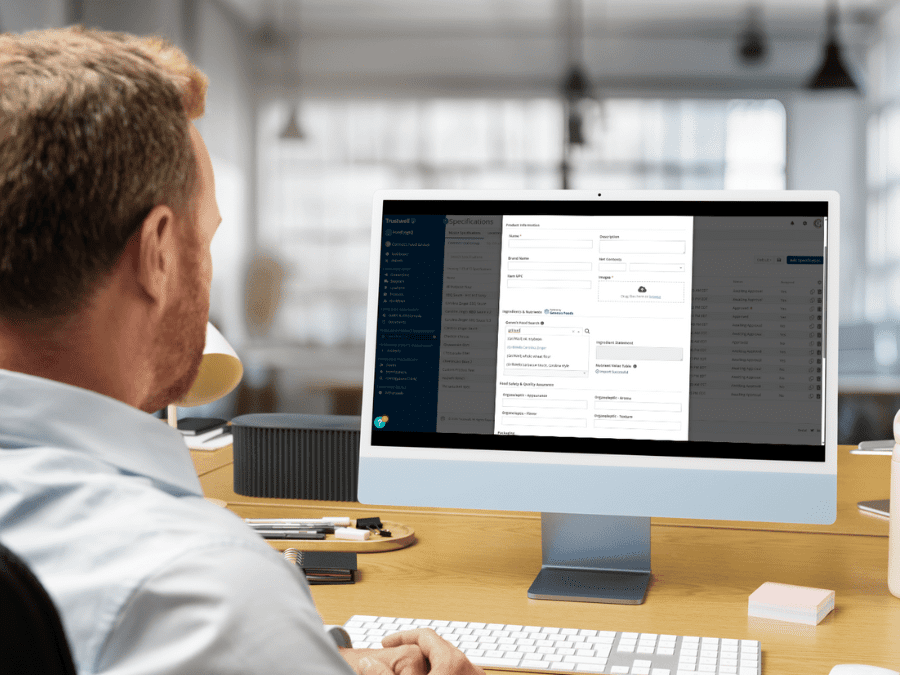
572 650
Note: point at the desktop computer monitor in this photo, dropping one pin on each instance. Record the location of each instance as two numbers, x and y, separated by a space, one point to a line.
603 358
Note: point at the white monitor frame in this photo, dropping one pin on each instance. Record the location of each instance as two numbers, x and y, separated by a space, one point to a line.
606 484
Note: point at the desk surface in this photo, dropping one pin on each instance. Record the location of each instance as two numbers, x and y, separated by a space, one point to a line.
476 566
860 477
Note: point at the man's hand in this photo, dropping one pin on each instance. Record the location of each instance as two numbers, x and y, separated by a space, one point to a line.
414 652
400 660
442 657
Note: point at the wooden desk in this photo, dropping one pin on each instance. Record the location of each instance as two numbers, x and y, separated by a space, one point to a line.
476 566
860 477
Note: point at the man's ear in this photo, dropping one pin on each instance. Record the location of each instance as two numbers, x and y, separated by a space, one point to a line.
157 246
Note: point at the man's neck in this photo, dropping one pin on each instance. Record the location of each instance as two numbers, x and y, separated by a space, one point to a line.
84 352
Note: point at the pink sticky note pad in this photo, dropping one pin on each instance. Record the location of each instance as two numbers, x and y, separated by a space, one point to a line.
785 602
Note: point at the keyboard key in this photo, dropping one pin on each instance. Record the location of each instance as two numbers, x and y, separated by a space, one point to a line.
586 660
535 665
498 661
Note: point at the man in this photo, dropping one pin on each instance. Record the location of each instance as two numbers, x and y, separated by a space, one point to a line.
107 213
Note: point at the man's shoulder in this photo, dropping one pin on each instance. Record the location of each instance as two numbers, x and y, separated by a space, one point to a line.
74 517
97 538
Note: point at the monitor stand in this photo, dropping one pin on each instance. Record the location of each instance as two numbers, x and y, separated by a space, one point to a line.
593 559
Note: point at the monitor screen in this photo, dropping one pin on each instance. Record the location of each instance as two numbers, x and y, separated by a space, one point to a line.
622 353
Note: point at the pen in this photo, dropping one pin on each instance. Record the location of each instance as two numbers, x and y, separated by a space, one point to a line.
293 528
300 522
289 534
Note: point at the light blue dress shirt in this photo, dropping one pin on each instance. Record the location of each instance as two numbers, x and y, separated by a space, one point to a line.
103 502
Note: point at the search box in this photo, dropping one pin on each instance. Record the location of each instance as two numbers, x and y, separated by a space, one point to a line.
545 331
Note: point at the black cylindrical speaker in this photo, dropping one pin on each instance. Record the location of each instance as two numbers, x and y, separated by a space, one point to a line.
296 456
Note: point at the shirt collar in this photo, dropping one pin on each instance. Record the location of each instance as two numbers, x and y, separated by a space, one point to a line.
39 412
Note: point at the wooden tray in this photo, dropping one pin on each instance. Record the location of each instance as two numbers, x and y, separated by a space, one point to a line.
401 537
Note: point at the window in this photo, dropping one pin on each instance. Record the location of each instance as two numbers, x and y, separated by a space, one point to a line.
315 194
882 236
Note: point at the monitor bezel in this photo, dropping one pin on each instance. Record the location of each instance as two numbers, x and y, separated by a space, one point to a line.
447 457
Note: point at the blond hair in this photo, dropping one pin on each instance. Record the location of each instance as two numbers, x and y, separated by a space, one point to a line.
94 133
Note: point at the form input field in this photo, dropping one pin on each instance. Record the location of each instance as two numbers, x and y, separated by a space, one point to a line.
549 283
634 405
551 243
544 330
569 404
636 416
643 292
611 267
632 246
548 275
529 372
657 267
510 421
629 353
561 266
637 424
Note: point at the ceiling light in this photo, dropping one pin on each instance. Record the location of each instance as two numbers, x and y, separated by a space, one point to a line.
752 47
292 132
832 74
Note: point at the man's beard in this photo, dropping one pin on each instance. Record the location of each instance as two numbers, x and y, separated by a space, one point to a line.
179 349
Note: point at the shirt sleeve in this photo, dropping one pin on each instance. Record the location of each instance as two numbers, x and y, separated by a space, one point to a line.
221 610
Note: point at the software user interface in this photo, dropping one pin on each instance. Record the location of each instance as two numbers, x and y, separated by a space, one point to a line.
649 324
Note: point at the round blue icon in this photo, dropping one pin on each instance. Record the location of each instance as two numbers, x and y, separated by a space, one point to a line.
387 233
380 422
446 221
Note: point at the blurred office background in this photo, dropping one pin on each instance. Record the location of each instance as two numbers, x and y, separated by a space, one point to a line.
315 104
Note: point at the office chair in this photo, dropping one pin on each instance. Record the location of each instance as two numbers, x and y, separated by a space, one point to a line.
32 640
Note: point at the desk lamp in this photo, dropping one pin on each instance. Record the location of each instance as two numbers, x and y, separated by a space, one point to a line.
220 372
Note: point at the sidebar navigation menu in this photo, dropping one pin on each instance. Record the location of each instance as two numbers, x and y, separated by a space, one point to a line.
468 349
